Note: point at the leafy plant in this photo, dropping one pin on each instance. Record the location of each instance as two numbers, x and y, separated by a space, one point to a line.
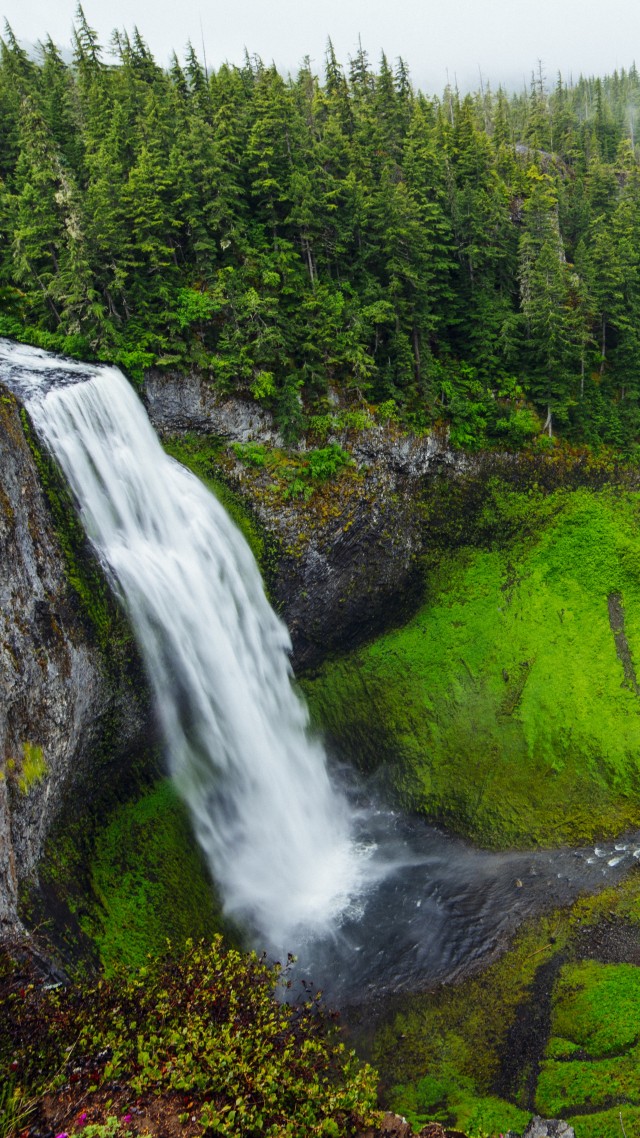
252 454
326 462
15 1109
208 1026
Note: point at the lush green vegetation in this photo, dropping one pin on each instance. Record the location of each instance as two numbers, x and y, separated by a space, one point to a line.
201 454
542 1029
122 875
202 1031
148 878
469 259
593 1054
299 473
508 706
474 261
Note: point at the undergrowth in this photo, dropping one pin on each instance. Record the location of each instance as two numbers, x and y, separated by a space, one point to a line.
204 1029
297 473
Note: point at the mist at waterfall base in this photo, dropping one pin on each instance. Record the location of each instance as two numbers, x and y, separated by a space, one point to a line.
368 900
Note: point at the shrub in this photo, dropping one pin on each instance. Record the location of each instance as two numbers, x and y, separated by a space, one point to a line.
252 454
208 1026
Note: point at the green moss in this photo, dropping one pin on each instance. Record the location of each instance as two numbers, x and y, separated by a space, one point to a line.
34 768
103 615
458 1053
452 1102
508 706
201 454
606 1123
582 1085
121 876
148 877
481 1116
561 1049
597 1009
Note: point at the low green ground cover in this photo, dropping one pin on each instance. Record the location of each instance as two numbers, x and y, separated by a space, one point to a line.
593 1056
148 876
121 880
202 1033
545 1029
508 707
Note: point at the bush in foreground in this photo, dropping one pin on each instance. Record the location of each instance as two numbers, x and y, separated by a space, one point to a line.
204 1035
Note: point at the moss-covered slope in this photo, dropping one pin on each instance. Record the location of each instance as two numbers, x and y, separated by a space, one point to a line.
122 877
509 706
551 1027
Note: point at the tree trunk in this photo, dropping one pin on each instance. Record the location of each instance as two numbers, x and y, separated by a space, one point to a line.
416 354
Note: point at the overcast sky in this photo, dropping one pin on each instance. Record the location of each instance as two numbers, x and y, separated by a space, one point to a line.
503 39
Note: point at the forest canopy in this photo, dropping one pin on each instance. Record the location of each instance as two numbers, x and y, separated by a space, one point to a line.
473 260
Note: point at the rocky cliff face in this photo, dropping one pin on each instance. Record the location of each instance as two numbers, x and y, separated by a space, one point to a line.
178 402
58 698
345 562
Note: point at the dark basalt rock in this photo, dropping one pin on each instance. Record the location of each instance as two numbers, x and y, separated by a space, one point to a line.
178 402
341 574
58 697
346 564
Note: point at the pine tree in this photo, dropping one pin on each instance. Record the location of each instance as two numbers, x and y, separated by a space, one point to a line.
552 339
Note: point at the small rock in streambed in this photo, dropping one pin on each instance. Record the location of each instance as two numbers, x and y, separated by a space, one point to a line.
548 1128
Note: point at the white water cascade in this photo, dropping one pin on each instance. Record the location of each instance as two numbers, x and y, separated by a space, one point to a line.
275 831
373 902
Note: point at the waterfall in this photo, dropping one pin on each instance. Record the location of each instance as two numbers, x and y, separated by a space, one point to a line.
276 833
372 901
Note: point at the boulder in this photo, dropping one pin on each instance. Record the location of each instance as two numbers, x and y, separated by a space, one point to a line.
548 1128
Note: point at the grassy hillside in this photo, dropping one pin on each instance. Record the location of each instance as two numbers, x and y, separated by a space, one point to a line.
509 706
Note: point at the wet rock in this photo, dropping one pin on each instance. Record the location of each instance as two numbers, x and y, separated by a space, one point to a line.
395 1126
548 1128
345 573
341 576
346 562
179 402
56 693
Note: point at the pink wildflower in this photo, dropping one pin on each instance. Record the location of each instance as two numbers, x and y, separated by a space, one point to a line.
62 1135
126 1118
82 1118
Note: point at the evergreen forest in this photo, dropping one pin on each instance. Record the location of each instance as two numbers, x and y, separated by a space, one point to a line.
466 259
